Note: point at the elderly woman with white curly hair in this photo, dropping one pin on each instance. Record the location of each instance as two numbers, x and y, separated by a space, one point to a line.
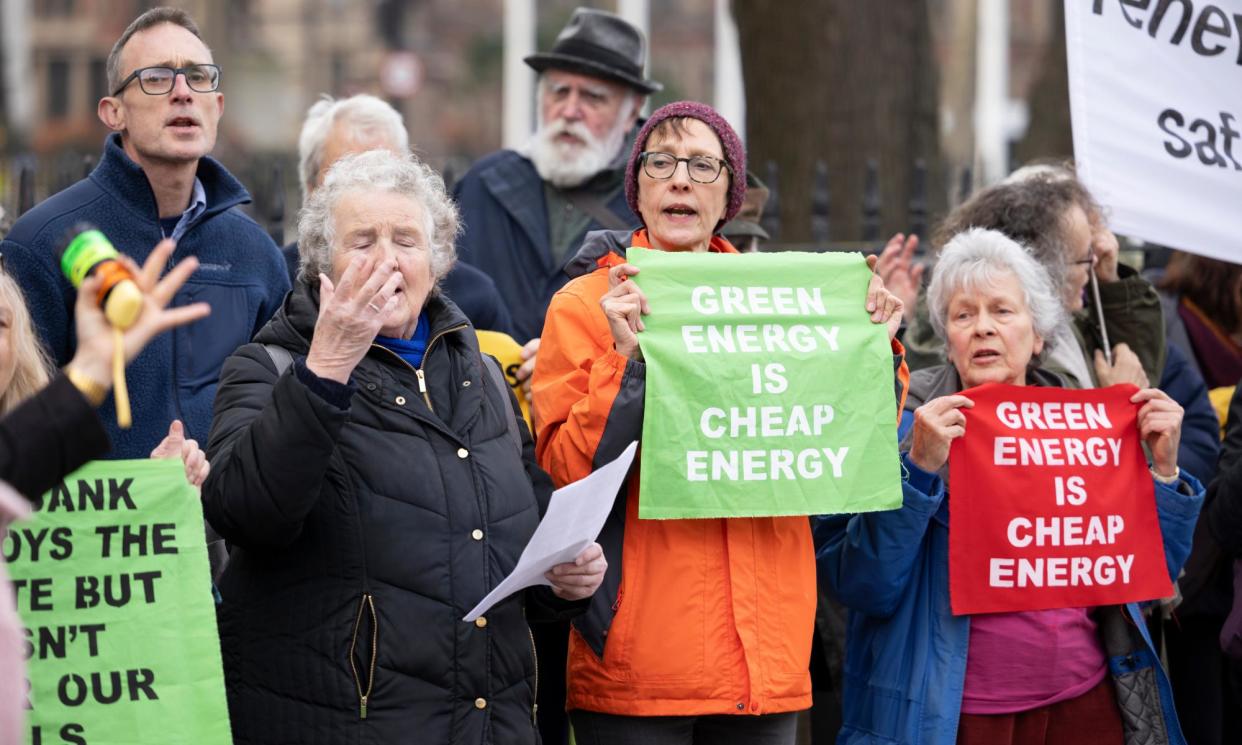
375 479
915 673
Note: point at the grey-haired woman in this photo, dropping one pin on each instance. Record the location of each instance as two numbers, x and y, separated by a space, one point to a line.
375 480
916 673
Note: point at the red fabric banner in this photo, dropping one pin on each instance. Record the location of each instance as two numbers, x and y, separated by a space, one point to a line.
1051 504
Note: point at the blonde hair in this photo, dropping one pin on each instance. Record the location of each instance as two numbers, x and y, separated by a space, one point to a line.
32 368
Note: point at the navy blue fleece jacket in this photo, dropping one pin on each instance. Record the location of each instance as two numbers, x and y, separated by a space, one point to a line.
241 275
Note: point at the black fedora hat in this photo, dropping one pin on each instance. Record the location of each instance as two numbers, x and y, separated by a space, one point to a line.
600 44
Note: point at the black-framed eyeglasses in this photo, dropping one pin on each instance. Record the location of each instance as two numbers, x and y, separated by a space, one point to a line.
1087 261
703 169
156 81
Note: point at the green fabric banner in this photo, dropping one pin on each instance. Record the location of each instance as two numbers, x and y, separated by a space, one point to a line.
769 389
114 590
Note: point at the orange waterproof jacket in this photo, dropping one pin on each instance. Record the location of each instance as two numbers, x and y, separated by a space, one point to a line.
694 617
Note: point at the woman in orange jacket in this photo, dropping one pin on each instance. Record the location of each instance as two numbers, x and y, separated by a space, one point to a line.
702 630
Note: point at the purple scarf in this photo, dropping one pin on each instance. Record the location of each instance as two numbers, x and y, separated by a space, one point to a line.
1219 356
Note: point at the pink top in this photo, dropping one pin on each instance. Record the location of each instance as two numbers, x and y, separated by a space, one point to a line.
1022 661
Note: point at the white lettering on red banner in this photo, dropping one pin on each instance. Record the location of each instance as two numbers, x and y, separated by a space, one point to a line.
1051 503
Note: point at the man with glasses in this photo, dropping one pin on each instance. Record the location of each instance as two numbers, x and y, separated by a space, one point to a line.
154 181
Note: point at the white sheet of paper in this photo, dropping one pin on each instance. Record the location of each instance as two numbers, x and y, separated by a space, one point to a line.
575 516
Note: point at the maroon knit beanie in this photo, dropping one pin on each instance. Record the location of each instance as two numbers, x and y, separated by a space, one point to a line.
730 143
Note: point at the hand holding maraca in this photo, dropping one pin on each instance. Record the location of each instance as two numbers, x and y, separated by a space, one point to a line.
103 346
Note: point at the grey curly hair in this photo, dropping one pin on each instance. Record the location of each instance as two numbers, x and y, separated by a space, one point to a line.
977 257
1032 207
372 171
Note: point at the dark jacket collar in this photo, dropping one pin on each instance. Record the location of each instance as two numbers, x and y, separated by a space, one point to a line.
597 245
125 179
600 243
516 185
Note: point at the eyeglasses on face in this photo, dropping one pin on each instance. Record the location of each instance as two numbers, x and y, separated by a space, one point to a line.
159 80
703 169
1085 262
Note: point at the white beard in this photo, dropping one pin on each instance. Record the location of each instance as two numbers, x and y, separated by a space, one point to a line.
566 165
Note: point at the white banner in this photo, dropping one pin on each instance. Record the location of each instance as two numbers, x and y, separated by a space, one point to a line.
1156 98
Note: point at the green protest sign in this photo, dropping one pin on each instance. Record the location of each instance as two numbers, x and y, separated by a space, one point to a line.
114 591
769 390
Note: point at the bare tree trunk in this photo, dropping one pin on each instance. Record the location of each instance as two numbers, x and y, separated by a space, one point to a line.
843 81
1050 134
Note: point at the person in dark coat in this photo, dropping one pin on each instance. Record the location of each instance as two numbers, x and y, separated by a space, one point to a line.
527 211
1222 520
375 480
337 127
1200 447
1202 301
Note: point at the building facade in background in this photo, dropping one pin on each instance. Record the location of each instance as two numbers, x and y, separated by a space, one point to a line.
439 62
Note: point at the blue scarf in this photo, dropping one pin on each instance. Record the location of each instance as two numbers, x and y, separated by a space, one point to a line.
411 350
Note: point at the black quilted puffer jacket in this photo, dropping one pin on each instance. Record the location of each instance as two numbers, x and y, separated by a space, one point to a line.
362 529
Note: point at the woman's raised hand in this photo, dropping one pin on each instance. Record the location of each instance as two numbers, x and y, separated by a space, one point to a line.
1104 245
1160 425
94 334
175 445
624 306
351 314
884 306
937 424
1126 368
896 266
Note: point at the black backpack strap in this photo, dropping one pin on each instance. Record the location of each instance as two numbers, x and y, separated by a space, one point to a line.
282 358
596 208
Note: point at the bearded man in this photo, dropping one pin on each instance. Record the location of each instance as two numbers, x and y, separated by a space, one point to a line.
526 211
